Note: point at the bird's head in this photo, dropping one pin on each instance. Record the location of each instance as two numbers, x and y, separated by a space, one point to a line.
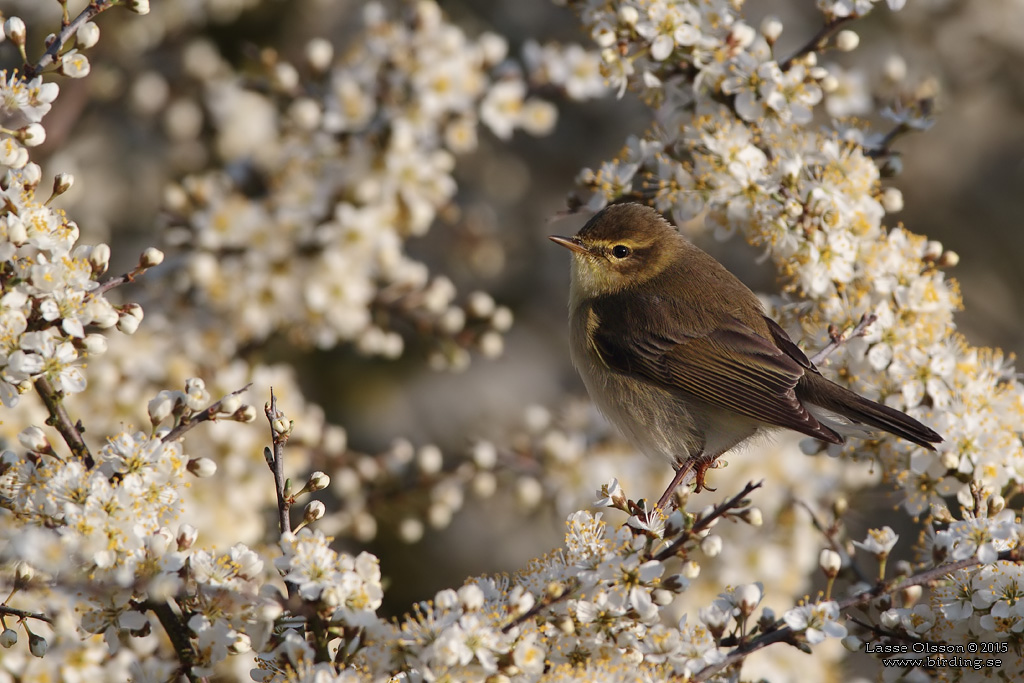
622 246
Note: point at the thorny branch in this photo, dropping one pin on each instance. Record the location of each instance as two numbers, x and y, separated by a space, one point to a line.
788 635
206 415
839 338
66 34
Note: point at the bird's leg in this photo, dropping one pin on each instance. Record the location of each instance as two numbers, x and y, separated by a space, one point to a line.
703 465
681 473
699 465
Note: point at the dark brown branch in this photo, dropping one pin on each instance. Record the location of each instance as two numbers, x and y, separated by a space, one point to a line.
66 34
883 146
178 634
839 338
539 606
277 465
61 421
830 536
704 522
787 634
24 614
117 281
205 416
817 41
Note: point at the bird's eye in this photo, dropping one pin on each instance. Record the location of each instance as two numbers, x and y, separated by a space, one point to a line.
621 251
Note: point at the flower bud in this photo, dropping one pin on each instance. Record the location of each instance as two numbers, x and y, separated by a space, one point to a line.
130 318
138 6
202 467
99 257
471 597
839 506
229 404
319 54
429 459
830 563
742 35
8 638
502 319
317 481
662 597
480 305
529 492
23 573
948 259
17 233
847 41
485 455
892 200
711 545
410 530
314 510
895 68
246 414
14 27
771 28
32 135
910 595
151 257
187 535
161 406
88 35
62 182
37 645
749 597
996 504
34 439
752 516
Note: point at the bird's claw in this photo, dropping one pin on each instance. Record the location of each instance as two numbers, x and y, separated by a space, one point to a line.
699 472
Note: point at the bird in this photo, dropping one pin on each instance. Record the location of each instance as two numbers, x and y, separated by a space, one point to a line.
679 355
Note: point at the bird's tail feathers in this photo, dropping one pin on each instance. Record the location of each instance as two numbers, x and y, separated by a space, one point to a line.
853 415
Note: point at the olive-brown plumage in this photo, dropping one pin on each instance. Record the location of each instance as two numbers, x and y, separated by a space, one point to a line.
679 355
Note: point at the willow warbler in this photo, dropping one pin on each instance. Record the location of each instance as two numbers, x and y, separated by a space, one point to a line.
678 353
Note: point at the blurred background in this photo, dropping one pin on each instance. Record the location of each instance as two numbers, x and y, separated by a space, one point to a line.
127 131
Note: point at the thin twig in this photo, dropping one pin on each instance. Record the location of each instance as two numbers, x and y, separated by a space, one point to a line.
117 281
886 142
24 614
277 464
61 421
206 415
704 522
178 634
838 338
786 633
540 606
817 41
829 534
65 35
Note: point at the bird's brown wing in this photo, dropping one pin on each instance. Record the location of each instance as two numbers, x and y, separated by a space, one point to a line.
731 367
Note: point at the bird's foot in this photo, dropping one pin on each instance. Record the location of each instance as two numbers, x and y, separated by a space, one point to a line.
700 470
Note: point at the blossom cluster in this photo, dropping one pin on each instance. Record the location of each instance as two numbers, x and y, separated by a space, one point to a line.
353 156
132 558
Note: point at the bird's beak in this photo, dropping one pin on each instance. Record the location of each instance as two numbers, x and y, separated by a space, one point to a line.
570 243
